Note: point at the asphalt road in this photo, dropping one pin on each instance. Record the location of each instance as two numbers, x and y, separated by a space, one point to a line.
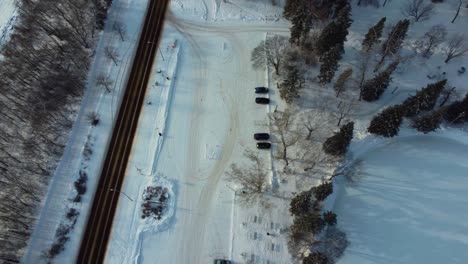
96 236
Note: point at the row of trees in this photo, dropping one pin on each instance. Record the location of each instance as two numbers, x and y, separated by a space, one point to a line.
307 209
419 108
42 74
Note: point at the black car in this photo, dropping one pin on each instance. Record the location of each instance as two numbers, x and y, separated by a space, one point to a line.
221 261
262 100
263 145
261 136
260 90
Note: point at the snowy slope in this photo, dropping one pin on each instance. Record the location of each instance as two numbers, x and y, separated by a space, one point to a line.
408 204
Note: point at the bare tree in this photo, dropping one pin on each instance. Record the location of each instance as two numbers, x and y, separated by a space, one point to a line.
120 29
103 80
431 39
252 179
112 54
282 123
418 9
269 52
460 3
362 67
456 47
344 110
385 2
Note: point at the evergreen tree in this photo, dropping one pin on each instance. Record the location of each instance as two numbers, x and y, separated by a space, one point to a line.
301 203
292 7
423 100
329 64
372 89
300 15
289 88
316 258
322 191
373 35
335 32
330 218
311 222
337 144
457 112
395 38
388 122
297 30
429 122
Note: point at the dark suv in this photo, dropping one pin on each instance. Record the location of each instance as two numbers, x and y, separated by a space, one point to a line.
261 136
262 100
263 145
260 90
221 261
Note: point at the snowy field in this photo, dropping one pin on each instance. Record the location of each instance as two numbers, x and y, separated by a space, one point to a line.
408 204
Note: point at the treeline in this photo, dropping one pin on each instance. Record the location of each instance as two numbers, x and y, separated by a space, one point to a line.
42 76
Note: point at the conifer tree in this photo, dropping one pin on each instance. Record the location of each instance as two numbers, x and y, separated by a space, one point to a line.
337 144
300 15
388 122
329 217
423 100
373 35
335 32
457 112
372 89
329 64
289 88
311 222
323 191
395 38
316 258
429 122
301 203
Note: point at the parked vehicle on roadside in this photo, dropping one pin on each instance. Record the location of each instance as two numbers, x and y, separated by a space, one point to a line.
222 261
262 100
263 145
261 136
260 90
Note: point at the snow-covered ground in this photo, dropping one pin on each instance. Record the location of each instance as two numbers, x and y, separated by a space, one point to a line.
210 122
207 115
408 202
7 18
86 146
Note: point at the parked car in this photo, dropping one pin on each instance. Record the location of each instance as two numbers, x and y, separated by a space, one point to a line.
261 136
260 90
263 145
222 261
262 100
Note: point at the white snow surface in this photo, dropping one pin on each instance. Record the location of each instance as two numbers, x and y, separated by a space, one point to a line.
408 202
7 18
206 114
